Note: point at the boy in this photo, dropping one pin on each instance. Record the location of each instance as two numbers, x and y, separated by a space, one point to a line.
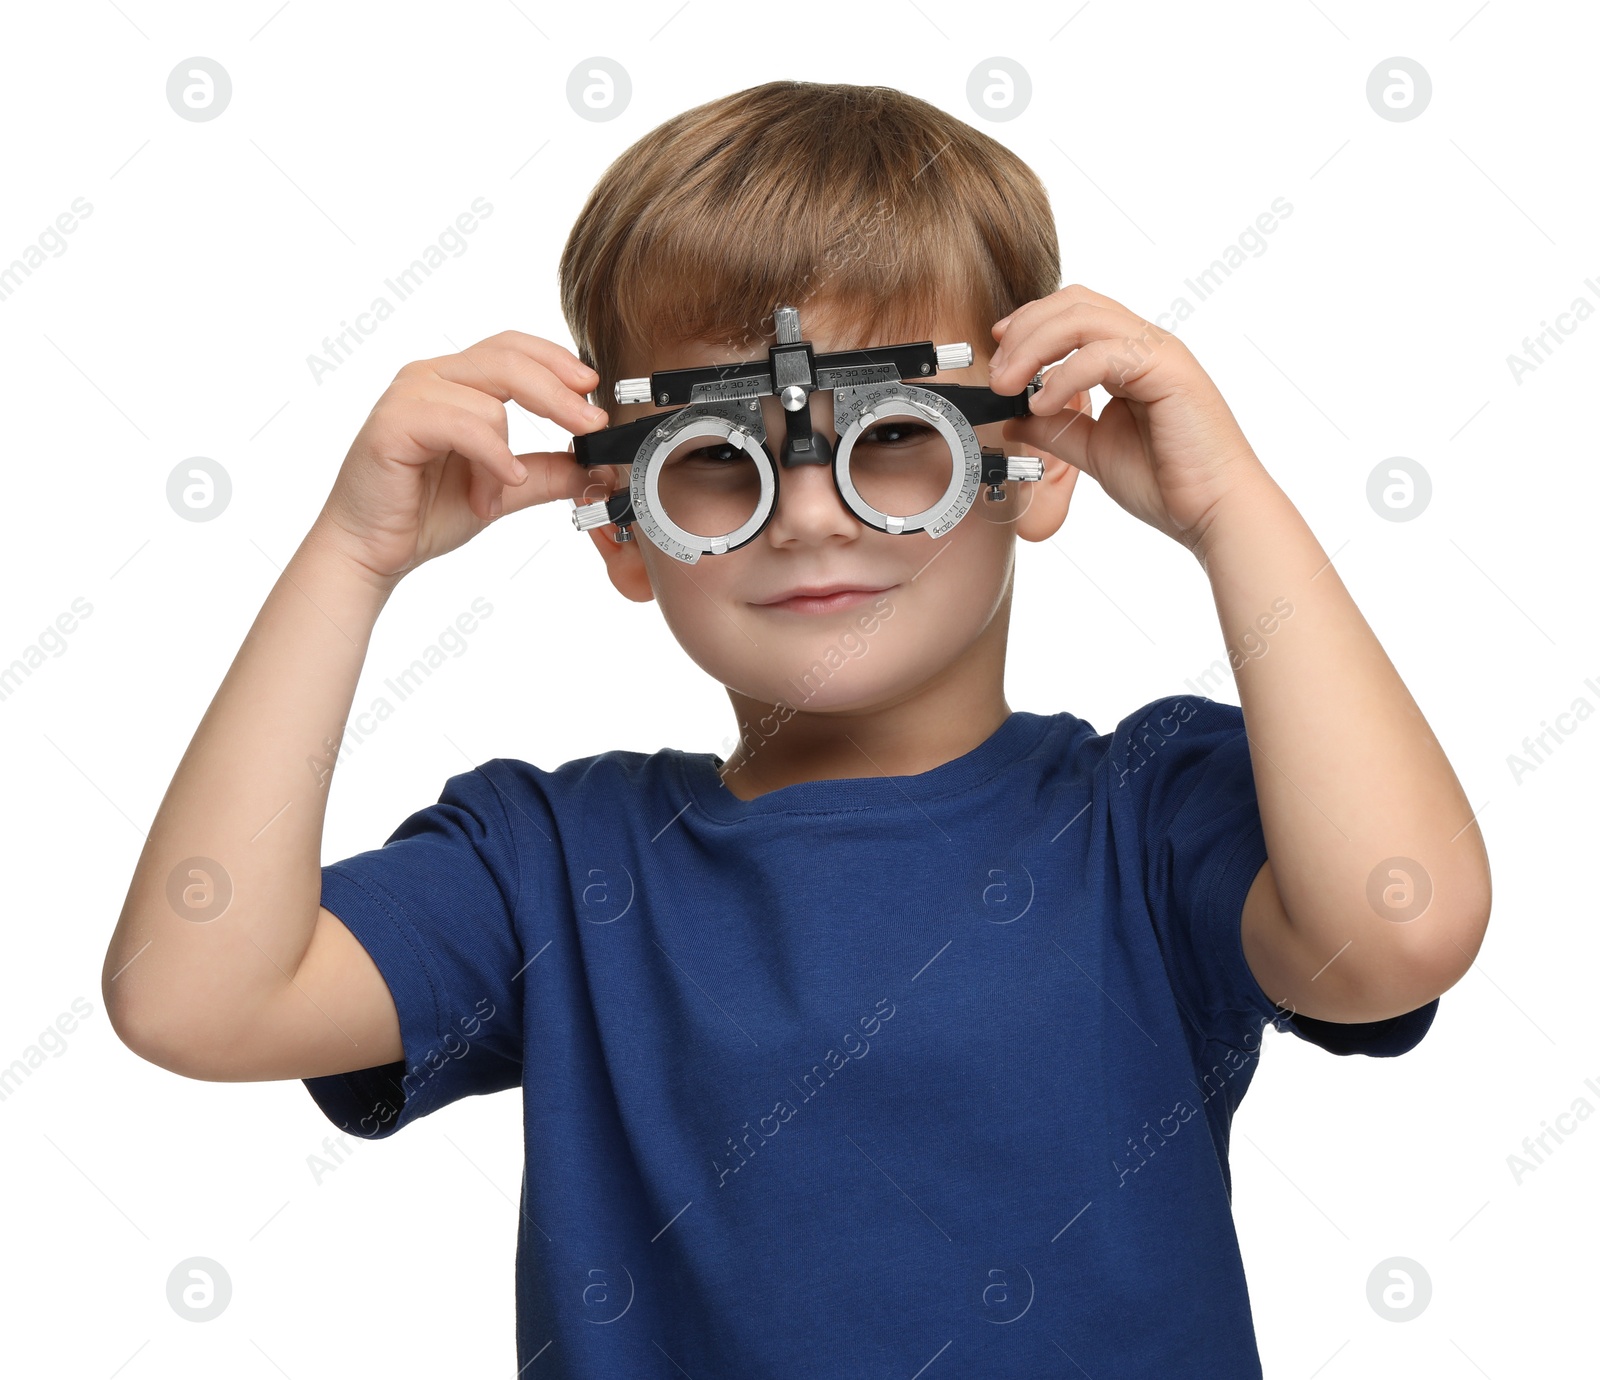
906 1040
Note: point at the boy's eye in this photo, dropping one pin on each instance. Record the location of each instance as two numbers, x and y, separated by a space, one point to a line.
896 433
717 455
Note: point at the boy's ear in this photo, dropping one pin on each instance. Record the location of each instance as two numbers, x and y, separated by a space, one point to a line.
1048 498
624 563
1051 495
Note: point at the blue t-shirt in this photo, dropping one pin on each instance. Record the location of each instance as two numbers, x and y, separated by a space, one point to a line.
860 1077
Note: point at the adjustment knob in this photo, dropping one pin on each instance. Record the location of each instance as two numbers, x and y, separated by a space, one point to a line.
957 356
631 391
1024 467
587 515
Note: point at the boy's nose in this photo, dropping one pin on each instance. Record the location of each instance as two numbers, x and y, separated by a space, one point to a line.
808 505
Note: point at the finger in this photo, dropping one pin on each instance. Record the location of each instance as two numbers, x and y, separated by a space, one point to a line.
1047 328
440 429
506 374
1044 337
493 412
582 377
556 475
484 493
1077 402
1056 301
601 481
1073 378
510 374
1110 364
557 358
447 393
1064 435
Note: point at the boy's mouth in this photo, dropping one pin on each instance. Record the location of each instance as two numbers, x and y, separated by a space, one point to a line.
821 598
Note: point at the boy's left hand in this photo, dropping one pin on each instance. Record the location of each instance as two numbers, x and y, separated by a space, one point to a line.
1166 447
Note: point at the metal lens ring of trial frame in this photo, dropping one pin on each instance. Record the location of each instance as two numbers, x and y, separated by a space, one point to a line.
723 401
740 424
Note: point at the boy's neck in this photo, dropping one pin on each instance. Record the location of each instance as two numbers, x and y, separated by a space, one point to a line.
780 747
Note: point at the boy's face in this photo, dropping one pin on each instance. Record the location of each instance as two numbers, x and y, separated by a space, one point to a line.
942 604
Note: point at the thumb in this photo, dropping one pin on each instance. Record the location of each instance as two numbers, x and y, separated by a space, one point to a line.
1064 434
555 476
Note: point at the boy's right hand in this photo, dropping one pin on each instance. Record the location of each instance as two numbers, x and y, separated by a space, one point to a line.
431 466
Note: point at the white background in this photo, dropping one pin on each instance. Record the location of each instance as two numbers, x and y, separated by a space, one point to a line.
218 255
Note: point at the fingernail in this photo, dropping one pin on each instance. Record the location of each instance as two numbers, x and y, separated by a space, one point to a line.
1002 321
497 505
599 414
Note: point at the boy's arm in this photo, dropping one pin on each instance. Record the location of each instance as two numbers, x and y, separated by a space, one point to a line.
1363 817
224 963
1377 895
268 985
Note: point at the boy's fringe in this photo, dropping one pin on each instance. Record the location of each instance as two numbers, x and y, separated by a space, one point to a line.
881 210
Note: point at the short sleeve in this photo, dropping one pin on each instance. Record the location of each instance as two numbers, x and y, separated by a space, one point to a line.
436 909
1185 765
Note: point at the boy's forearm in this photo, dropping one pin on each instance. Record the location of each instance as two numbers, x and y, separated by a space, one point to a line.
1348 774
243 815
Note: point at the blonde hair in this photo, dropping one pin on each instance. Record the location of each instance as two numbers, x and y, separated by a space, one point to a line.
885 208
